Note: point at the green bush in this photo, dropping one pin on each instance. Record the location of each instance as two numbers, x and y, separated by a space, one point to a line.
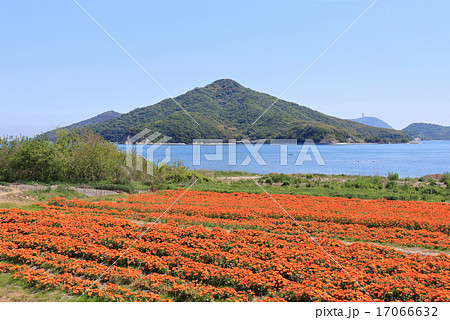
430 190
446 178
83 156
266 180
392 185
405 187
393 176
74 156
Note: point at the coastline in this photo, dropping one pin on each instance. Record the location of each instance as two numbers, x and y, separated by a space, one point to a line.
268 143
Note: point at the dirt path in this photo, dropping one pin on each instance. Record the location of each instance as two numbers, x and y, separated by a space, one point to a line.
407 250
16 192
90 192
11 194
87 191
234 179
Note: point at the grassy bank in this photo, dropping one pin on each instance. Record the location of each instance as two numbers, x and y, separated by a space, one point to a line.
363 187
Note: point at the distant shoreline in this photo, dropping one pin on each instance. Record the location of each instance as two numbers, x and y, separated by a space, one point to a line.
268 142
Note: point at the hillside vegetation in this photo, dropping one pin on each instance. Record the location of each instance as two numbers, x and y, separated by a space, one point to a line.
105 116
428 131
226 110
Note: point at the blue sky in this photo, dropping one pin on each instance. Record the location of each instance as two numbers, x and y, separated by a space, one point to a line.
57 67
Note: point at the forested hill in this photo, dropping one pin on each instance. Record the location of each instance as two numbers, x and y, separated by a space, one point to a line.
226 110
428 131
105 116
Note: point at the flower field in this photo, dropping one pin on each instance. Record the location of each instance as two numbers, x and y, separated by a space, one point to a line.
230 247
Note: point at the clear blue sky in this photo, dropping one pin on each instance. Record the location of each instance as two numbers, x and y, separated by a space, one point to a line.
57 67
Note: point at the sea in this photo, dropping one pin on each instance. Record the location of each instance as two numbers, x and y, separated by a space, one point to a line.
408 160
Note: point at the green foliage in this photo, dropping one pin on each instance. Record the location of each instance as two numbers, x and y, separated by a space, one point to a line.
228 173
175 173
363 187
131 187
226 110
18 290
364 183
392 185
83 156
29 207
430 190
428 131
105 116
393 176
74 156
24 157
446 178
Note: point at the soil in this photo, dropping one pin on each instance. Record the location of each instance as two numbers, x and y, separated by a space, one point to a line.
437 176
10 194
16 192
234 179
407 250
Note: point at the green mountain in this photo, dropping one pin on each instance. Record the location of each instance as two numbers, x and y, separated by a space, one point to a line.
428 131
105 116
372 121
226 110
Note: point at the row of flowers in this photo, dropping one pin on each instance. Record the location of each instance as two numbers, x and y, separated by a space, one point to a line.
372 220
274 262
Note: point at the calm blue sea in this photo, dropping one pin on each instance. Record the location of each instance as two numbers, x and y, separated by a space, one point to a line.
408 160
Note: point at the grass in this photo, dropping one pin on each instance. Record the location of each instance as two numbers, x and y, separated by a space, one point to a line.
17 290
226 174
363 187
111 197
18 205
446 178
60 191
42 196
131 187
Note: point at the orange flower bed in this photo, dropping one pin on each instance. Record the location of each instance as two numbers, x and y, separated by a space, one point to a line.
229 247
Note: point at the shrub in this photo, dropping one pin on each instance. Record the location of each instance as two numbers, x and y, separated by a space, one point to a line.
445 178
430 190
81 156
393 176
392 185
78 156
266 179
